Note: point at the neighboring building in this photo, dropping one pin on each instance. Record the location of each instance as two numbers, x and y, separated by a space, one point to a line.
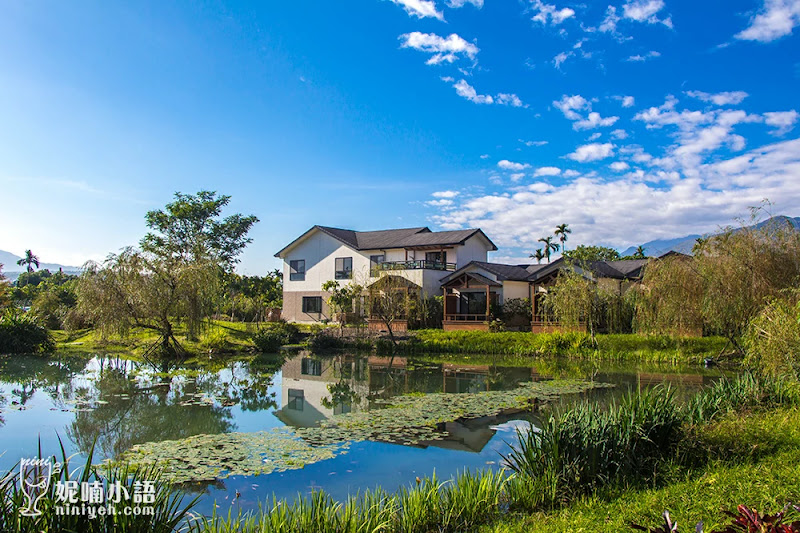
322 253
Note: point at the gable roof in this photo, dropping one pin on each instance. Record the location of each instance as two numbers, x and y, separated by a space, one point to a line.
393 238
505 272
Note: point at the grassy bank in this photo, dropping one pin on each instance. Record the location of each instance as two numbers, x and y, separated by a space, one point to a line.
621 347
754 458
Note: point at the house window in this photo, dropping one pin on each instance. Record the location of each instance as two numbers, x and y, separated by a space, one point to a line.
311 367
344 267
376 260
312 304
297 270
296 400
473 303
436 257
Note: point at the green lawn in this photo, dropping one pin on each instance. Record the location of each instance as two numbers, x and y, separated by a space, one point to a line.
755 463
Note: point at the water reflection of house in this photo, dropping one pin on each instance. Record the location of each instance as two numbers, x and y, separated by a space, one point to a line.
308 385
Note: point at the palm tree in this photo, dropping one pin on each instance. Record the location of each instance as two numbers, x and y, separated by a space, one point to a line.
639 253
549 246
562 230
538 255
29 260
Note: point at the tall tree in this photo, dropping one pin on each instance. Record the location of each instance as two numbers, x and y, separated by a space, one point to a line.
190 228
29 260
189 231
538 255
4 289
562 230
639 253
584 253
549 246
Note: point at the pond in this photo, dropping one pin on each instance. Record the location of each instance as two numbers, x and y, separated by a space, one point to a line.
267 426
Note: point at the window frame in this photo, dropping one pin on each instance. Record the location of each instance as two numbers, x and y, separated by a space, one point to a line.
307 299
294 273
343 273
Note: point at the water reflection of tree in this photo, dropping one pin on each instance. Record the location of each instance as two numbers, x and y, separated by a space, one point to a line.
29 374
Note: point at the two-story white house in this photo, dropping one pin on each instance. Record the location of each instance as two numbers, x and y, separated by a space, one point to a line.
422 256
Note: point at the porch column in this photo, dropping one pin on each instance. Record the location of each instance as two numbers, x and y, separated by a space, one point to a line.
533 303
444 304
487 301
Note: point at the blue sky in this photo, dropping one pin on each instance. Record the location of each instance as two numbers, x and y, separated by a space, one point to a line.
630 120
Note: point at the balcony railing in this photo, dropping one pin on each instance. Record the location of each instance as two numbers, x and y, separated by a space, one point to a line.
458 317
411 265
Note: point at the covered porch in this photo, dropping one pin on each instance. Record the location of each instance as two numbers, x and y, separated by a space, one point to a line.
467 302
388 301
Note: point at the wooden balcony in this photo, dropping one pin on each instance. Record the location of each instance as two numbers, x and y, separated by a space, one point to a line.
458 321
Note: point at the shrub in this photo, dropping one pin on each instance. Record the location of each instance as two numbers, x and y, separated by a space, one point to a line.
322 342
772 340
271 338
21 333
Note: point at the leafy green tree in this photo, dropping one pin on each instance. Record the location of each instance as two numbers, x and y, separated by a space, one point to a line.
562 231
639 253
341 300
28 261
549 246
584 253
189 231
5 290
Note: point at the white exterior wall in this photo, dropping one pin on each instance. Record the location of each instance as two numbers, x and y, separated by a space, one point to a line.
320 252
474 249
515 289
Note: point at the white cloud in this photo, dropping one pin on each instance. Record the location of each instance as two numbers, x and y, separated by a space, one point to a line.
439 203
645 11
594 120
517 176
623 210
609 24
776 19
569 105
485 156
595 136
720 99
559 59
443 49
465 90
783 121
445 194
509 99
619 166
619 134
592 152
549 13
627 101
533 143
505 164
638 58
462 3
547 171
420 8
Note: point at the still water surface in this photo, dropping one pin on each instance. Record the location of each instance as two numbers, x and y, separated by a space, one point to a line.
118 403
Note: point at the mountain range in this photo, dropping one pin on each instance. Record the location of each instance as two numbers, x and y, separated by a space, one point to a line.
11 270
685 244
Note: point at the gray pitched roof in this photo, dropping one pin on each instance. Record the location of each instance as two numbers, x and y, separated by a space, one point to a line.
630 268
505 272
394 238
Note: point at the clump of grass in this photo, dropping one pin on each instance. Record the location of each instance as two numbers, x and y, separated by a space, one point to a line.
588 446
169 510
458 505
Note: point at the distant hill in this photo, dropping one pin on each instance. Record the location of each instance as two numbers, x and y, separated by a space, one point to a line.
684 244
12 270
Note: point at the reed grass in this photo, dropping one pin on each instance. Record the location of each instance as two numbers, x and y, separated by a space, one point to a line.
170 512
